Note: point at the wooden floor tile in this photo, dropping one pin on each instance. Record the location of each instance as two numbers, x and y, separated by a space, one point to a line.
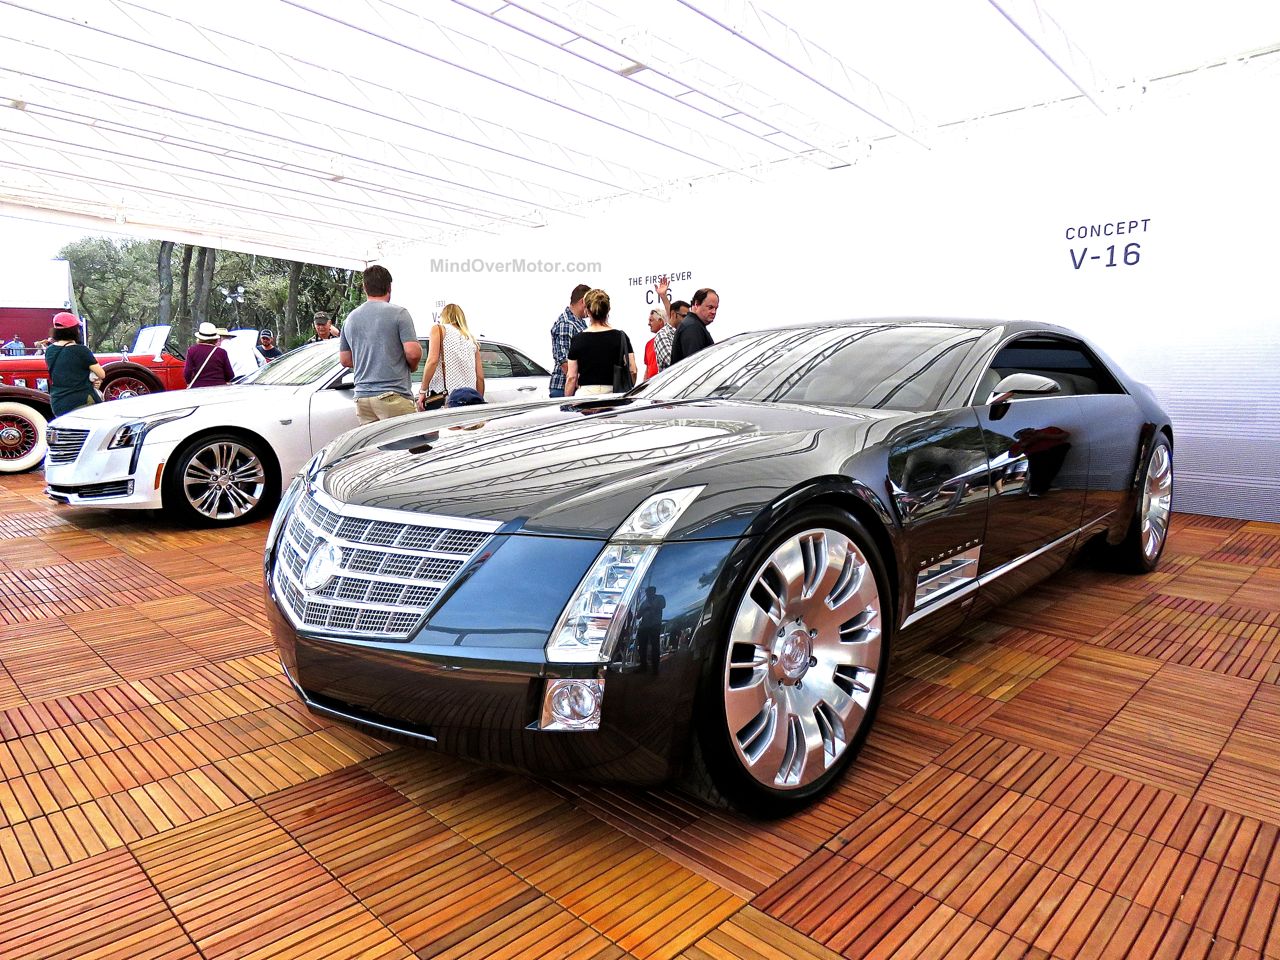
1173 729
1064 709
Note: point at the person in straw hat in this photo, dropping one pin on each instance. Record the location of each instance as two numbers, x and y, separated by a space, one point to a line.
207 364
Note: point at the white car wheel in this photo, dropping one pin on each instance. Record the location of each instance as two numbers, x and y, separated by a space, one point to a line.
22 437
221 479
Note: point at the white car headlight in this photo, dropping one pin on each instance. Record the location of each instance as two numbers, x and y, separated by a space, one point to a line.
132 433
589 626
654 518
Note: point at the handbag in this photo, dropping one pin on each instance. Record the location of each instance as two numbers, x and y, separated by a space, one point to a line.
622 379
435 399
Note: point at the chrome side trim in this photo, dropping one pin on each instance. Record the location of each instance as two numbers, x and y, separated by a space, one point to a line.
352 718
919 613
400 516
950 596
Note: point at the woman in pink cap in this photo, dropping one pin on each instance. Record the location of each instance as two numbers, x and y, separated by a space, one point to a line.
70 365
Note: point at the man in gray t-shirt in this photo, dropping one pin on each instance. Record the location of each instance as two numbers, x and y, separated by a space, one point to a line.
381 344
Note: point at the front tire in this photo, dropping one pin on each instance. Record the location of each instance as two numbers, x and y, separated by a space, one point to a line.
796 680
1143 545
23 443
220 480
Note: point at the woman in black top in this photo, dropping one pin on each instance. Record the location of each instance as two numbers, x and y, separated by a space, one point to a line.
594 352
70 364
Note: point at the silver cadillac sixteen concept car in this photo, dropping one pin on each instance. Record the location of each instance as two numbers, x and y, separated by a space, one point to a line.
706 577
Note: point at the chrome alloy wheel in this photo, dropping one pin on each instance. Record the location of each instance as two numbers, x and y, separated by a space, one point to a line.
224 480
803 656
1157 501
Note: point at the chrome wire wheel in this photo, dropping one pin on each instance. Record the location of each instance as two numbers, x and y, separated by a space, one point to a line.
125 386
224 480
804 651
22 437
1157 501
19 435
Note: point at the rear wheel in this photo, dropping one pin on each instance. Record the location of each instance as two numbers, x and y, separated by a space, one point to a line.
22 437
220 480
798 675
1141 548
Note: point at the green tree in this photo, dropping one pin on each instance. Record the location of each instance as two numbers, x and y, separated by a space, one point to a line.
116 287
121 286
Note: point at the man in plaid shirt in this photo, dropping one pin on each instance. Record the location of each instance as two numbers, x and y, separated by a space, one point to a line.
563 330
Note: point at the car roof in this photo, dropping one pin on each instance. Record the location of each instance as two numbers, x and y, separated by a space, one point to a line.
963 323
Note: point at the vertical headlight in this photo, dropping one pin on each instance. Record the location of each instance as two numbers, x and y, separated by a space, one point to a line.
589 626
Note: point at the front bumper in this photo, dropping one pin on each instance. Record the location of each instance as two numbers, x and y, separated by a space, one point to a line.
470 678
487 708
101 477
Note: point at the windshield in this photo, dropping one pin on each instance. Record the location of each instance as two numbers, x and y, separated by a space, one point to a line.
299 367
895 366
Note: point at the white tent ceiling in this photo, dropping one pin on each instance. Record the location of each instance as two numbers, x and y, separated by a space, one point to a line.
339 131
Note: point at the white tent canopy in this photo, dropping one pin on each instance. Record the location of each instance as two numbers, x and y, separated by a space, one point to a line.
341 132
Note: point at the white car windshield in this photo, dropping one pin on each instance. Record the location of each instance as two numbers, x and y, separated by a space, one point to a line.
299 367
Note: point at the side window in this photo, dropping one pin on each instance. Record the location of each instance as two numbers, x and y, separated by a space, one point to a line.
523 366
495 361
1069 362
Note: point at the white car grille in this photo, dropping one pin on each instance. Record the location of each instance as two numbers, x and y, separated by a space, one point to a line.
391 572
65 444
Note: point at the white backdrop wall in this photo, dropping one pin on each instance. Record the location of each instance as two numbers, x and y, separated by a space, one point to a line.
975 228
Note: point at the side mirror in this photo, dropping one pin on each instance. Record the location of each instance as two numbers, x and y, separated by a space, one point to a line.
1022 383
345 382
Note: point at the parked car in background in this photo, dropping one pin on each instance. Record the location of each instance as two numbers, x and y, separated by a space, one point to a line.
707 574
218 455
148 367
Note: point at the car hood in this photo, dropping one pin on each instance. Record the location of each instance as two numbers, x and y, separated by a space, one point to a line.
135 408
579 469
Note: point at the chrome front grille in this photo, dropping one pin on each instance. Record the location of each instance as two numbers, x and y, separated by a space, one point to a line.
64 444
391 571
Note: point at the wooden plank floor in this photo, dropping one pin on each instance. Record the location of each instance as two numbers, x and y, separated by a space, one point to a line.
1093 772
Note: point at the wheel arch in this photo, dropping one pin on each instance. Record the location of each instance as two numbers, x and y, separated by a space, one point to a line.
38 400
1118 529
270 459
857 499
118 368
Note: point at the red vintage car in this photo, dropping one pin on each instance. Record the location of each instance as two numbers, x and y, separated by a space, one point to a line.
147 368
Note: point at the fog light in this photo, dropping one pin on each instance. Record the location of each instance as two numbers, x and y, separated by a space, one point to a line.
572 705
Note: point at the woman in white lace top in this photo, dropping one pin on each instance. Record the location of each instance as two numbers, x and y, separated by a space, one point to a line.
453 358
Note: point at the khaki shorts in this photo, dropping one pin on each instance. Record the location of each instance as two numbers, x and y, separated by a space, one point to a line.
383 407
595 390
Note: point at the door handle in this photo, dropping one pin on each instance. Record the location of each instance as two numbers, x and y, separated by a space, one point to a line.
526 389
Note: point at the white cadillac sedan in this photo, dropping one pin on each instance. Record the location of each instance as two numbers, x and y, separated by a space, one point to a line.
217 455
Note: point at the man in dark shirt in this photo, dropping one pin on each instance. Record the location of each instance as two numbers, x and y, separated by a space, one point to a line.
691 335
267 346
